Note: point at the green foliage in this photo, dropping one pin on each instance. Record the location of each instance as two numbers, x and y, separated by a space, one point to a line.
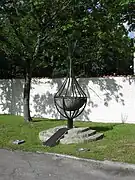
29 26
39 34
103 46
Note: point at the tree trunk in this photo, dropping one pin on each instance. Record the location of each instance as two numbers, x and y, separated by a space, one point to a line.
26 98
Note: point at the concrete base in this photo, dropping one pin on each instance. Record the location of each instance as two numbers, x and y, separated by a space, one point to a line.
75 135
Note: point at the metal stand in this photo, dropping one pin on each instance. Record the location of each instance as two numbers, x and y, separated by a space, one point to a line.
70 100
70 123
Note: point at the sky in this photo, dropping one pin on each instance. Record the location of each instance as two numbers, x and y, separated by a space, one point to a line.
131 34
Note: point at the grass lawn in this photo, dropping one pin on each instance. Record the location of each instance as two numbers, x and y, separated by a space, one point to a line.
117 145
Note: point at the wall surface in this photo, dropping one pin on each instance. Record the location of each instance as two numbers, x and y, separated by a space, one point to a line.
110 99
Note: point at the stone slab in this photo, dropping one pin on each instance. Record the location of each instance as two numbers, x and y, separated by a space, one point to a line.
46 134
81 139
52 141
94 137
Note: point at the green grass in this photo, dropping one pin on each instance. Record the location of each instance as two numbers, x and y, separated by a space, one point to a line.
117 145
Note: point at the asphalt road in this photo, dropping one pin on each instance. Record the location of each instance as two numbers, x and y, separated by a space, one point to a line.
32 166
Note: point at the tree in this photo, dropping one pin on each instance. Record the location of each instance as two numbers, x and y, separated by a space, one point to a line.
103 45
28 26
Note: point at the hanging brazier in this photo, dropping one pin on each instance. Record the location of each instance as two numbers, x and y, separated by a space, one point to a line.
70 100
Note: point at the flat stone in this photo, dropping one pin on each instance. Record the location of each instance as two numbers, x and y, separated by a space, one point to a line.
71 140
54 139
88 133
80 139
46 134
83 149
72 134
78 130
94 137
18 141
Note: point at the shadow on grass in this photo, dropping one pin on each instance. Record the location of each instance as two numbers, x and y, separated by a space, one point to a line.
102 128
46 120
105 127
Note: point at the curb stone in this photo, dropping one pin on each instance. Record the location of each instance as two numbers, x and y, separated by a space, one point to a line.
104 165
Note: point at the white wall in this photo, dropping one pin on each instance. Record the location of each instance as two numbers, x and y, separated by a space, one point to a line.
110 99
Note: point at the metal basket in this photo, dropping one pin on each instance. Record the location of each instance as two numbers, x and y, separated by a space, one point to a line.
70 100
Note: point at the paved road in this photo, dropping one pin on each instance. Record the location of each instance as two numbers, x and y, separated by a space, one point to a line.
32 166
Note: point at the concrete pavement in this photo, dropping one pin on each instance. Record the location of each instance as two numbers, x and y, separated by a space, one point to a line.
15 165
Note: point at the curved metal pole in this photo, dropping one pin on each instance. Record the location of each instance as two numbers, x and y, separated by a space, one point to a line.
70 67
70 58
